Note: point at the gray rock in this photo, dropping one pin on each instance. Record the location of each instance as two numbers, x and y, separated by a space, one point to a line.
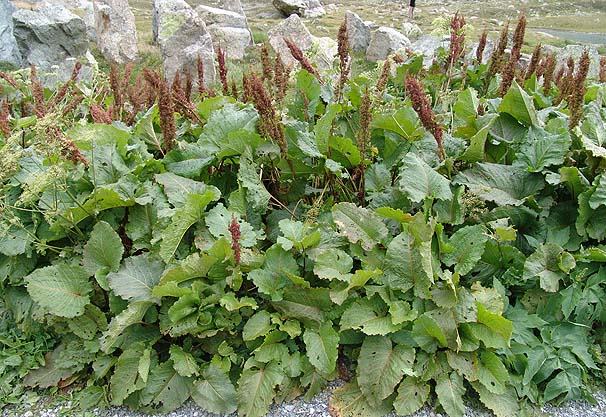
294 29
227 29
82 8
575 52
384 41
183 36
9 52
304 8
221 17
358 32
411 30
115 29
48 36
232 5
426 45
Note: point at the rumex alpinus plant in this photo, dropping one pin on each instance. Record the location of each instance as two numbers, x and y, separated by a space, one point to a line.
426 114
143 278
577 96
514 57
534 61
481 47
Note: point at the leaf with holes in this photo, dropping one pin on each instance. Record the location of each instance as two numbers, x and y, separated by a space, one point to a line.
468 243
359 224
412 395
214 392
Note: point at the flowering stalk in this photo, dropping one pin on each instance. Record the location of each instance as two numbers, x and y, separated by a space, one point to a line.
383 79
603 69
534 61
266 64
481 47
344 59
550 65
298 55
516 51
37 93
577 96
222 70
234 229
428 118
496 59
457 40
5 126
9 79
99 115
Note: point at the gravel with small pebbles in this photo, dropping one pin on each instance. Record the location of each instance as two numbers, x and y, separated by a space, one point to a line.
317 407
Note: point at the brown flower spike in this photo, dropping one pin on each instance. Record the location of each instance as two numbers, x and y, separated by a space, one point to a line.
428 118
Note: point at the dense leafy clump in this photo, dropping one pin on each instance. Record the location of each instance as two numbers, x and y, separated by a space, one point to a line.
408 230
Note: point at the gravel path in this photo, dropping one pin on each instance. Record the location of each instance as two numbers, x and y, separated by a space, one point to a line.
317 407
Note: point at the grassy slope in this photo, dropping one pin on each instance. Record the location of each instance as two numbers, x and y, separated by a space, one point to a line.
580 15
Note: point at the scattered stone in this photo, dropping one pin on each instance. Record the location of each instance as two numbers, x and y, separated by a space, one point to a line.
227 29
9 51
182 36
427 45
411 30
82 8
384 41
294 29
48 36
358 32
575 52
232 5
303 8
115 29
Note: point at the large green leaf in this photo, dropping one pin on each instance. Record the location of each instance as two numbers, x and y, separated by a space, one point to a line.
542 149
419 181
136 278
166 390
62 289
503 184
519 104
412 395
214 392
191 212
103 251
256 389
126 379
502 405
468 243
545 263
359 224
218 221
273 277
333 264
183 362
492 373
349 401
129 316
103 198
249 178
450 390
428 334
381 367
229 119
404 122
322 347
366 316
177 188
408 264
